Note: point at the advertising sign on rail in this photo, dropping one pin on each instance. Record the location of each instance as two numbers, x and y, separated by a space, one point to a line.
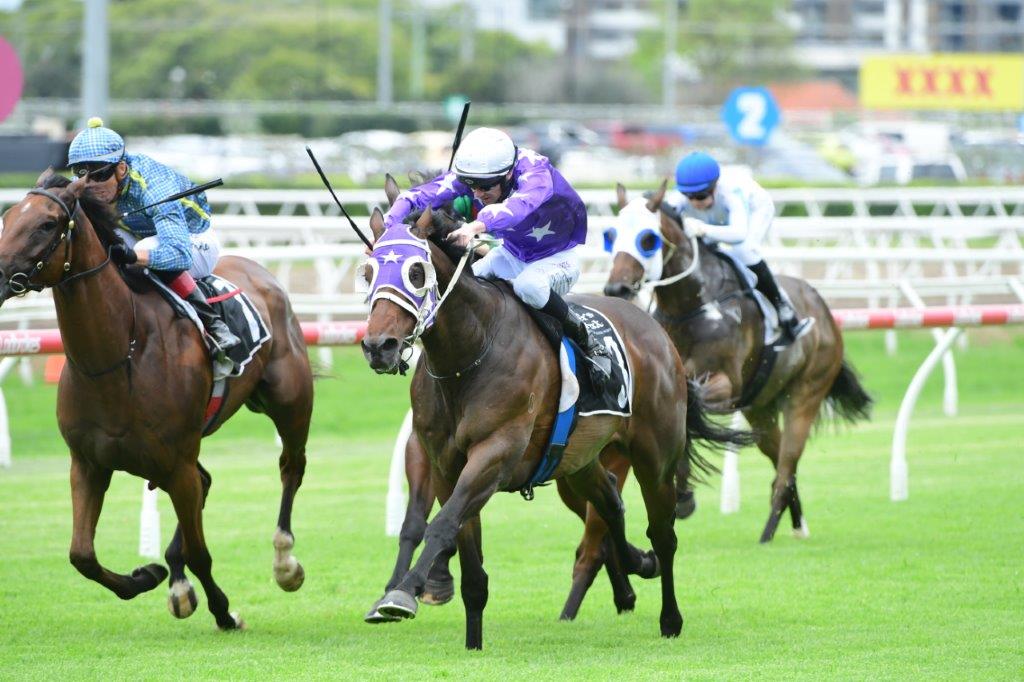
976 82
11 79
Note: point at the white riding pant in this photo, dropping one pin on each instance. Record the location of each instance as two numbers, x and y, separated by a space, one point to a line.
532 282
205 250
760 222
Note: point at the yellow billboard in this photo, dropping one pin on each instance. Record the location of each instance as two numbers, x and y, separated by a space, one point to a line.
976 82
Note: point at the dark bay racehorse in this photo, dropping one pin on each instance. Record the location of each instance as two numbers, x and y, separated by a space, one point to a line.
719 332
133 393
484 396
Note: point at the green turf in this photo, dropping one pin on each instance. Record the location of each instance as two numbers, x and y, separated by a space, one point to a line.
928 588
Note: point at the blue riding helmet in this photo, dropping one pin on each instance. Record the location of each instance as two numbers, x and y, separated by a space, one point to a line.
96 144
695 172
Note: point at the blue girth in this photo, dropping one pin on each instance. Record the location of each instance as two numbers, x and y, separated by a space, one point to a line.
559 437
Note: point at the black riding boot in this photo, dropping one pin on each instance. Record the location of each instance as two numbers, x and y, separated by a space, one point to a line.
214 326
792 326
600 362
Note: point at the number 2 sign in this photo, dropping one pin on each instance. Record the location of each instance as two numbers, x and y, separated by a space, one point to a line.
751 115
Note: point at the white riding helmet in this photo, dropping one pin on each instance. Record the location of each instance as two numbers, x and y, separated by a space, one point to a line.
484 154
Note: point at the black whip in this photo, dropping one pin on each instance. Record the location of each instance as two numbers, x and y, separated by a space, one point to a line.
327 182
180 195
458 132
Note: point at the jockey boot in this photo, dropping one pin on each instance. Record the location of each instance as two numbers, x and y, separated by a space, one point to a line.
215 327
792 326
599 360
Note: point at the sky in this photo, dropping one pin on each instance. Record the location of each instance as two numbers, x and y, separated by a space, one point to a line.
9 4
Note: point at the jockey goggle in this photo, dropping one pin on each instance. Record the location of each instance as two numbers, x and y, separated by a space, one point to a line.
482 184
701 195
97 171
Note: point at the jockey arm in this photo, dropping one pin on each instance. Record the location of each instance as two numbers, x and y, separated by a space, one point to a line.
436 193
175 249
736 230
535 186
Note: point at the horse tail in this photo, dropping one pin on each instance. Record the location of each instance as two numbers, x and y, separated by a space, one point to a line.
700 427
847 398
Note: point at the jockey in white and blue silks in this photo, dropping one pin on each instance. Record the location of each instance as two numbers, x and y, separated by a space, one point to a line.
738 212
173 239
519 197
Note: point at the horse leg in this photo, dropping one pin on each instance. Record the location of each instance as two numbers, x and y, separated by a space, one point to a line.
593 483
186 491
181 600
477 482
799 414
474 581
421 499
596 548
660 500
88 487
286 392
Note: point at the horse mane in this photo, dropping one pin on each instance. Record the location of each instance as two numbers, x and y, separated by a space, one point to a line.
103 218
444 222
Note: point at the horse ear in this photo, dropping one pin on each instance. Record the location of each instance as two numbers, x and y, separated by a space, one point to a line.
424 226
671 230
391 189
377 223
654 203
41 180
620 195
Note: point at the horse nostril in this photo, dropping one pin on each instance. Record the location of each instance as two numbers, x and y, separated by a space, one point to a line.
616 290
389 345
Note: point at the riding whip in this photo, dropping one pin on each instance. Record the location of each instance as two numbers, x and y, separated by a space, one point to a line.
180 195
330 189
458 132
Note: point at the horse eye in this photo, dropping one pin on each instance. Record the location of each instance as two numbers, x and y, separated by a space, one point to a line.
417 275
648 242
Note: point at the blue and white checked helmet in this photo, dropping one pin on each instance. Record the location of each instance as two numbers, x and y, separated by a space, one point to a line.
96 144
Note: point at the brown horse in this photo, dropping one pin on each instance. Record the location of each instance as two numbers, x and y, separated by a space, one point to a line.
484 401
133 393
719 331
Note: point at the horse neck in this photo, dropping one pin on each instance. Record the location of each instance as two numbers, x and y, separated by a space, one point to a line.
689 292
95 313
463 324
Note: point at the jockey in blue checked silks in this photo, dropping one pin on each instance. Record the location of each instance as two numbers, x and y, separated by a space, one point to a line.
174 239
738 212
520 198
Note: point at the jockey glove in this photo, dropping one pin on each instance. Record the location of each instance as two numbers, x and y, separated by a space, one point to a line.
123 255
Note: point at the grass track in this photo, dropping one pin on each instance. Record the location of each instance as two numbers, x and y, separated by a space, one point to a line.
933 587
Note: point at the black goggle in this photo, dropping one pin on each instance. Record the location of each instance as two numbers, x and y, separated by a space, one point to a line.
699 196
482 184
97 172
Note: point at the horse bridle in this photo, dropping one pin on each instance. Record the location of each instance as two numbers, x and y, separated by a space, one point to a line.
20 282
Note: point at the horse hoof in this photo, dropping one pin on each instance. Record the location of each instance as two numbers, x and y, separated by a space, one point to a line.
672 625
685 506
181 601
626 606
148 577
375 617
803 532
235 622
436 593
398 604
290 575
650 567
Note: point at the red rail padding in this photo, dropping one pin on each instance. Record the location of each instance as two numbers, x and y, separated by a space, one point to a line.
349 333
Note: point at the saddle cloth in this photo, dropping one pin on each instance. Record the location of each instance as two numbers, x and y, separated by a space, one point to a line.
234 307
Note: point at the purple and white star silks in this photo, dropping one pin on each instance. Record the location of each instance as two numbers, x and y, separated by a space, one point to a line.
541 216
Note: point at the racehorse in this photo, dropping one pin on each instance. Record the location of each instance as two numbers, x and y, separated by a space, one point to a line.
718 330
485 395
134 391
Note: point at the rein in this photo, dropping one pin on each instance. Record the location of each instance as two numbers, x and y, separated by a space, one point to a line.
689 270
22 284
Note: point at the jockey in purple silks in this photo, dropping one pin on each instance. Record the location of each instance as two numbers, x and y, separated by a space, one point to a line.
520 198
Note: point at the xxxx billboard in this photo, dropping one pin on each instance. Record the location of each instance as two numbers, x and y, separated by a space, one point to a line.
978 82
